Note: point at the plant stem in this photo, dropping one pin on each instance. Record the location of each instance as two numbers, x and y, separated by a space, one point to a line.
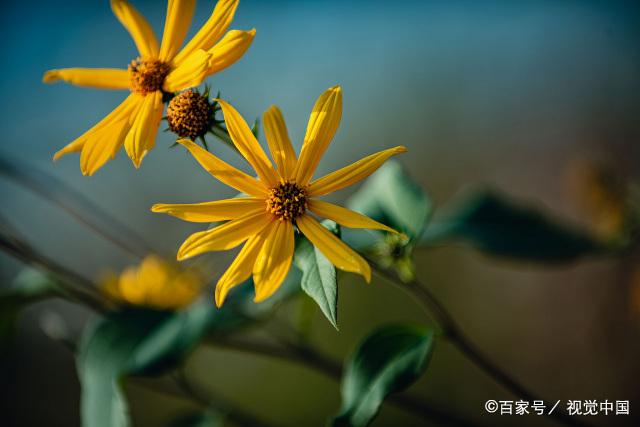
311 358
454 333
232 412
75 286
76 205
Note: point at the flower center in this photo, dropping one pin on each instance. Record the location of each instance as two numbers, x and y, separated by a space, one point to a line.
147 76
189 114
287 201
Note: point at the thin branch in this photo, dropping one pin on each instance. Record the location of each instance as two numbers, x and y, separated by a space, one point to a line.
206 398
74 285
311 358
76 205
454 333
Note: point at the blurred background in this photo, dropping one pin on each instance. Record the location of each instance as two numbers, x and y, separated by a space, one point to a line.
516 96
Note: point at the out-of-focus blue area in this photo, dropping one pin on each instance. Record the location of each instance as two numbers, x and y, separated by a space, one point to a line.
475 90
502 93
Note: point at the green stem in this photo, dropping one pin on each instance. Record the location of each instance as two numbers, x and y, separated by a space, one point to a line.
454 333
234 413
223 135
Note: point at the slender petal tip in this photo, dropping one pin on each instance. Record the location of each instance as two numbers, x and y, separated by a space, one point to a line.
400 149
51 76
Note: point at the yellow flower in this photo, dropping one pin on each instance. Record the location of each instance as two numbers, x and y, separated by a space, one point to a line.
278 199
158 70
156 283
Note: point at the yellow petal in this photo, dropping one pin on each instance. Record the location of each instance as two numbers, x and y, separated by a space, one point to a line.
211 31
223 237
220 210
228 50
279 143
103 146
340 255
176 25
247 144
101 78
129 288
241 267
137 26
274 260
142 136
353 173
346 217
224 171
124 110
191 72
323 123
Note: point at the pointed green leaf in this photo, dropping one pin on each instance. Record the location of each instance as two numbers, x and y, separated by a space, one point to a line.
493 224
389 360
132 341
393 198
319 278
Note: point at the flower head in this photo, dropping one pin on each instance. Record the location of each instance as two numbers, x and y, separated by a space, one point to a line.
279 200
160 69
155 283
190 114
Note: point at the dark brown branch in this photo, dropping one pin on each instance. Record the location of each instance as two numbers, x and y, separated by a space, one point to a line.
454 333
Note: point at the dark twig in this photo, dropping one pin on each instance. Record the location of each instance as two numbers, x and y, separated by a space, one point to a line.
207 399
76 286
76 205
311 358
454 333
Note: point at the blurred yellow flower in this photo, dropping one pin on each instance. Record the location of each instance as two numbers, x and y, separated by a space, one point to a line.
157 71
278 199
602 194
155 283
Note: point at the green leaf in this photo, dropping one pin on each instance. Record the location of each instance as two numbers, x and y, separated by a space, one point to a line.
319 278
198 419
132 341
30 286
389 360
393 198
498 226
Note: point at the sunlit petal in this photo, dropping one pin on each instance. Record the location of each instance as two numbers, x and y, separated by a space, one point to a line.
279 143
224 171
274 260
211 31
223 237
322 126
346 217
101 78
247 144
241 267
124 110
137 26
190 73
220 210
230 49
340 255
353 173
176 25
142 136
